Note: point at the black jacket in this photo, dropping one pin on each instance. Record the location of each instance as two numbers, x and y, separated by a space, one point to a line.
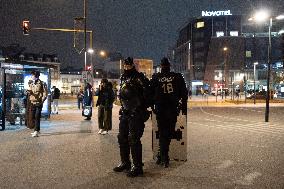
56 93
106 96
134 87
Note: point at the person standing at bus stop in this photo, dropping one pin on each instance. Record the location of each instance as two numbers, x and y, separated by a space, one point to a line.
88 99
37 90
104 103
55 97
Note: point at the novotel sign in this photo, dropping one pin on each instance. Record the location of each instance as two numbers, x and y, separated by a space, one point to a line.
216 13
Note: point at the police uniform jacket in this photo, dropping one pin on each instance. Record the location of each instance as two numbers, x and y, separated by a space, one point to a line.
168 89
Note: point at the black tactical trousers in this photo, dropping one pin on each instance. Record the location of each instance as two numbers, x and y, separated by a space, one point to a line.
166 120
36 112
131 128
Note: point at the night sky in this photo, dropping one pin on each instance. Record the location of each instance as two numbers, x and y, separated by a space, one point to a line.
138 28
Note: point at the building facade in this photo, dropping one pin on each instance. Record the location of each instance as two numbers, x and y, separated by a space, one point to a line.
220 51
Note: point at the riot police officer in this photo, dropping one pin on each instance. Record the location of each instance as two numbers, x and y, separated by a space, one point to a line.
133 114
169 97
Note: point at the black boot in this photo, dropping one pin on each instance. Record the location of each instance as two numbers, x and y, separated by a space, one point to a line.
136 153
164 154
166 163
122 167
135 171
125 164
158 160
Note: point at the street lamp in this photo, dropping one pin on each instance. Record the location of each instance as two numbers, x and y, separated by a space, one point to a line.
254 65
262 16
91 52
102 53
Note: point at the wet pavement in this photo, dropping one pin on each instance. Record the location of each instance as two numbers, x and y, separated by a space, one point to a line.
228 147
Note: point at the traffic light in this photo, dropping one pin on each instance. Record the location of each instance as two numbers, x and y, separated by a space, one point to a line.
89 68
26 27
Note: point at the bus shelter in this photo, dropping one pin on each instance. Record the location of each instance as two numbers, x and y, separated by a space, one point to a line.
14 80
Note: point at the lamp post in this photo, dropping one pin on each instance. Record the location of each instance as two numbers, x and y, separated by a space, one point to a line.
85 33
225 49
260 17
91 52
254 65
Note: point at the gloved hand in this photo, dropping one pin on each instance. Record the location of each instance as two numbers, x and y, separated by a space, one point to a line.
153 109
184 109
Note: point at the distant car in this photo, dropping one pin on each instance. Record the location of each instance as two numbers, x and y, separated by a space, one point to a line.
259 95
219 92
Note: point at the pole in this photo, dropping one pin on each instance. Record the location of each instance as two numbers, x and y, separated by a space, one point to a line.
245 84
268 72
120 64
85 34
92 65
233 91
254 83
231 87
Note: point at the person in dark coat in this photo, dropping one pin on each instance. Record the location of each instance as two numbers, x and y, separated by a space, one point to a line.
104 103
55 94
88 97
80 96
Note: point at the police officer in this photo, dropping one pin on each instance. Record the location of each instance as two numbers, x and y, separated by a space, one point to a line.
133 114
169 97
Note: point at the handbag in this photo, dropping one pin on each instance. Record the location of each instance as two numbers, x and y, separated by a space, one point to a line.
87 111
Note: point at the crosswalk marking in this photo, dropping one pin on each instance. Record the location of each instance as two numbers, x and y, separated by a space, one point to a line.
262 125
240 129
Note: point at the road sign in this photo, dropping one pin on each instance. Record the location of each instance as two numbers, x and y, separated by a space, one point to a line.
87 76
84 75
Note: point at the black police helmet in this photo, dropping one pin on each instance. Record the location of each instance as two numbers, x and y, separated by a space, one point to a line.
165 62
128 61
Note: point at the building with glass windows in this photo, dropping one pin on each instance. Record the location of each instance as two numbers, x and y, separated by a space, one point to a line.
220 51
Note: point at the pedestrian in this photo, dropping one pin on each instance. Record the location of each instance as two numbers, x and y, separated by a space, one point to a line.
37 95
80 96
88 100
169 96
189 93
104 103
55 94
133 113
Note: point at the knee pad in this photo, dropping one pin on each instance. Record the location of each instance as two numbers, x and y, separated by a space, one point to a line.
122 140
133 140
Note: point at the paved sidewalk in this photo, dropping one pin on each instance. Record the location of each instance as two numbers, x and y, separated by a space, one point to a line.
197 101
70 154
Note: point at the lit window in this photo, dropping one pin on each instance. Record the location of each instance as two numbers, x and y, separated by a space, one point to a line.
234 33
248 54
219 33
199 24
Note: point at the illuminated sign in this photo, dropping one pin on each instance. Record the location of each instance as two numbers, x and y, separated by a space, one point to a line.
216 13
12 66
